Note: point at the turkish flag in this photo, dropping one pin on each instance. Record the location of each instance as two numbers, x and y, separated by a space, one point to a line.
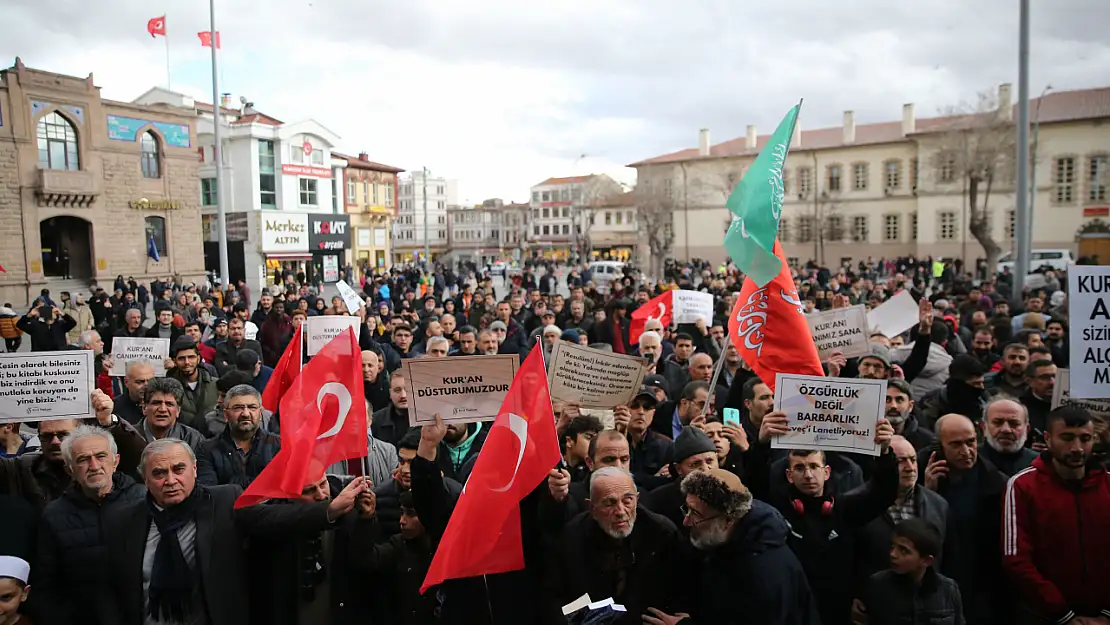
156 26
657 308
769 329
483 535
323 421
206 39
285 372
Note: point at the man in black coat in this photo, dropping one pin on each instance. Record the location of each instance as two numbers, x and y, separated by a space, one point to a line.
180 553
69 541
48 333
391 423
388 495
693 451
236 340
164 327
243 449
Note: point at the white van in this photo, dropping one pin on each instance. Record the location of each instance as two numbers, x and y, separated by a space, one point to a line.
604 271
1058 259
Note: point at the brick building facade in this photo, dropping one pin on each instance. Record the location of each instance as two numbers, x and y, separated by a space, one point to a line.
92 188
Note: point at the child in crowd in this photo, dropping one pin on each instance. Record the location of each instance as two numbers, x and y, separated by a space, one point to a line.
14 573
911 591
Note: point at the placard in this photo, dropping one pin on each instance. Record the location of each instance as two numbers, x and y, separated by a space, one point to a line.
1089 334
841 330
462 389
591 377
1061 396
830 414
689 306
350 298
323 328
126 349
45 386
331 269
894 316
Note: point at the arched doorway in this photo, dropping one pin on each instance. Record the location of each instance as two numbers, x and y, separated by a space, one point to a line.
66 247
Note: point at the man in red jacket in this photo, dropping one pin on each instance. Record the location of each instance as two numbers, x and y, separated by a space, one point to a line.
1056 526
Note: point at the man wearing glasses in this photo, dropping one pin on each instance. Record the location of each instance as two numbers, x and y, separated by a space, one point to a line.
1040 380
244 448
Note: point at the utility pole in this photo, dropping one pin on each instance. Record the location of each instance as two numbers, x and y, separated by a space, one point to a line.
427 252
1024 216
1033 161
221 216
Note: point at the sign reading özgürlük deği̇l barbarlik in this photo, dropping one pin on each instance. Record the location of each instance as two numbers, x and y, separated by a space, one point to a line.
829 414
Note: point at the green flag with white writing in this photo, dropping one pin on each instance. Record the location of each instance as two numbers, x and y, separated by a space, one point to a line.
756 207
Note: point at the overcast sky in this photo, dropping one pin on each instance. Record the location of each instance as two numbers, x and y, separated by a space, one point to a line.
501 94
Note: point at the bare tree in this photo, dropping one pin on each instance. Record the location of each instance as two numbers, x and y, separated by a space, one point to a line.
655 217
976 149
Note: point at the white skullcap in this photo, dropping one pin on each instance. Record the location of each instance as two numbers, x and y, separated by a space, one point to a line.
17 568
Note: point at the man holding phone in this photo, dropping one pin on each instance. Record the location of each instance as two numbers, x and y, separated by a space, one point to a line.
47 326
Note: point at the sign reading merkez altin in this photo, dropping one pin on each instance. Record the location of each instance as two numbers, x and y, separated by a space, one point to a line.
329 232
1089 314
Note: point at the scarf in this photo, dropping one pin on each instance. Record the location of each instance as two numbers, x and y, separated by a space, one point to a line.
170 596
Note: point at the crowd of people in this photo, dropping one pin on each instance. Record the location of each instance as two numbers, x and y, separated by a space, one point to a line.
986 504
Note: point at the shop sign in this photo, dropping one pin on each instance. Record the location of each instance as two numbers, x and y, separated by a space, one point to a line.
155 205
329 231
306 170
284 232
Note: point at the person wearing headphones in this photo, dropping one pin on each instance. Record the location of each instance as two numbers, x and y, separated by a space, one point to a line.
824 522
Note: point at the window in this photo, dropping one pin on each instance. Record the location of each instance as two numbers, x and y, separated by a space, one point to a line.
439 190
389 195
892 173
784 230
1097 168
296 153
946 170
805 229
308 191
608 218
441 204
619 218
860 172
576 194
375 193
1011 224
946 225
546 230
627 217
536 230
546 196
149 156
913 177
566 212
267 180
566 228
805 181
1064 178
317 157
156 230
57 143
913 224
668 190
208 191
535 196
351 192
834 228
564 195
546 213
834 178
892 227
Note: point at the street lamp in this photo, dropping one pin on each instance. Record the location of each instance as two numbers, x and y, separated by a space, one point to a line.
1033 163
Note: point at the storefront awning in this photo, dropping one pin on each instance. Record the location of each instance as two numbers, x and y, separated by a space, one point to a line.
288 255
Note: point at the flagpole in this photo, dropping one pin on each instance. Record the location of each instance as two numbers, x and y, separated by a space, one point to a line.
221 216
716 375
169 82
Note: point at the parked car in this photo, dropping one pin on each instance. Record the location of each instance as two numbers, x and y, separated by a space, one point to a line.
604 271
1057 259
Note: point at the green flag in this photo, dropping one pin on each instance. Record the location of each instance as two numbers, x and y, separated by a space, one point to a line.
756 206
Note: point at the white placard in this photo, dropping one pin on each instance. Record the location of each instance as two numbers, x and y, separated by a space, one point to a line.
841 330
689 306
126 349
1089 333
1061 395
324 328
461 389
894 316
44 386
350 298
331 269
830 414
591 377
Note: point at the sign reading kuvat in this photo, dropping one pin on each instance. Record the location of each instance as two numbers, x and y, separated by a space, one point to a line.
126 349
46 386
829 414
323 328
841 330
461 389
591 377
1089 334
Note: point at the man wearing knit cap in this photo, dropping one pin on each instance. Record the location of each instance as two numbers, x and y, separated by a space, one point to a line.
749 575
14 573
693 451
876 365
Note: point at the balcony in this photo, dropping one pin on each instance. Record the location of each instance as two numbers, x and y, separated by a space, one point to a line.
62 188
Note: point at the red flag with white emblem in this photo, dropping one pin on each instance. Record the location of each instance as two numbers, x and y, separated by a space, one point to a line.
206 39
483 535
156 26
323 421
285 372
657 308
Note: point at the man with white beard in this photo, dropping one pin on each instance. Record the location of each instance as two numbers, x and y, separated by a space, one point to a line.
1006 422
617 550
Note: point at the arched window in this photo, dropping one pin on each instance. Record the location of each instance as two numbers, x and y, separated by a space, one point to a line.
156 232
57 143
150 162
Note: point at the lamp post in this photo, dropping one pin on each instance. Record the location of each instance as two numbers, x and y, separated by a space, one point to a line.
221 215
1024 215
1033 161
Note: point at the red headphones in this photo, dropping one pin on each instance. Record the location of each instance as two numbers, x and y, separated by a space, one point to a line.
826 507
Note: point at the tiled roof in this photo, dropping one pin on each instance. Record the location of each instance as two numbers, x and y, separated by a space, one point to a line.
1058 107
567 180
357 163
257 118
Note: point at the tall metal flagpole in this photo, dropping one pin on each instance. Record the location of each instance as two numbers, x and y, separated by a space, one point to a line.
1024 214
169 83
221 217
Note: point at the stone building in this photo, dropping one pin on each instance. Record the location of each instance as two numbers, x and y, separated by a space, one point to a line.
370 195
92 188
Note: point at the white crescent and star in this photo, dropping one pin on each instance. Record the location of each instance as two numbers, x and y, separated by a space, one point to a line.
341 393
519 427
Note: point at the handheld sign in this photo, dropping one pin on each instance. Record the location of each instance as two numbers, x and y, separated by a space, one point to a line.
1089 334
1061 396
350 298
45 386
689 306
841 330
829 414
461 389
127 349
323 328
591 377
894 316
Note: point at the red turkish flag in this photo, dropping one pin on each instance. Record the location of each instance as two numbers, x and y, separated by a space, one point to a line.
206 39
769 329
323 421
483 535
156 26
656 308
285 372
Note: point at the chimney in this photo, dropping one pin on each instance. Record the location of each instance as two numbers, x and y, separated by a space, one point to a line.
363 156
849 127
752 137
796 140
909 122
225 100
703 142
1005 101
